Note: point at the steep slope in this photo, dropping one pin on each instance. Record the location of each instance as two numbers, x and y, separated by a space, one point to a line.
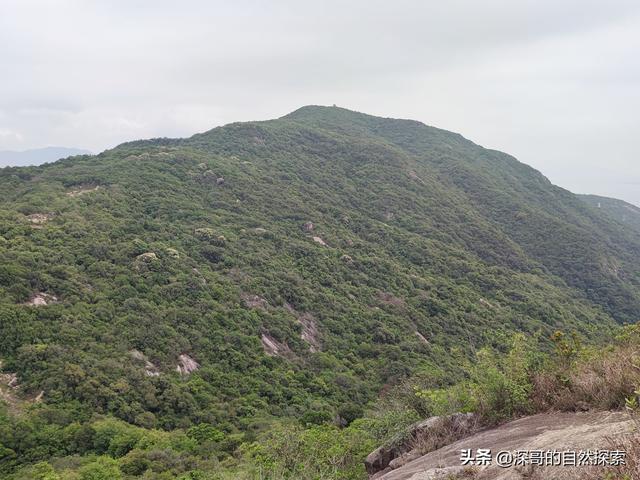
549 223
614 209
292 267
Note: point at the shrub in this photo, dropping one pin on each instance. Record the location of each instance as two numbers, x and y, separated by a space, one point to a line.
102 468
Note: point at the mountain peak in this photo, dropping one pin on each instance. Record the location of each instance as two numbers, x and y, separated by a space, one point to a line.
334 115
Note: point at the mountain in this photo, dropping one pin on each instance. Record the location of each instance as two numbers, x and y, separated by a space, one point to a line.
37 156
619 210
291 268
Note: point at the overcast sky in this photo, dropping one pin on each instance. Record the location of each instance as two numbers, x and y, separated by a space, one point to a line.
555 83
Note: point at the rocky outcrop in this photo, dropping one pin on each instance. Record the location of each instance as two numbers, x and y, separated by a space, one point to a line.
210 235
208 176
310 333
82 191
414 176
199 278
37 220
422 338
254 301
9 391
149 368
147 257
273 347
545 432
347 259
186 365
145 260
9 379
308 227
40 299
419 438
486 303
389 299
320 241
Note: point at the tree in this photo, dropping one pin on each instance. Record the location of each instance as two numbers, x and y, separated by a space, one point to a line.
103 468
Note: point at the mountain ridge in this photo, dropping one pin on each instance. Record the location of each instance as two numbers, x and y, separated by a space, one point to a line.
298 267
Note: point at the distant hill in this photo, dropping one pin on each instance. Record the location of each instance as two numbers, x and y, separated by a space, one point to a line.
37 156
618 210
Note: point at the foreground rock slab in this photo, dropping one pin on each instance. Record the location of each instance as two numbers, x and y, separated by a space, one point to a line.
549 431
421 437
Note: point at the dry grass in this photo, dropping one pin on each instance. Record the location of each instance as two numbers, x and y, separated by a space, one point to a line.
601 381
445 432
629 471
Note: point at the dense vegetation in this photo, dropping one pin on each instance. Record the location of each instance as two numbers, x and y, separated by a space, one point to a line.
306 264
623 212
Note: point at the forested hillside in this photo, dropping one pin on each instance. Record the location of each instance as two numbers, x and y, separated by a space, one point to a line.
294 268
621 211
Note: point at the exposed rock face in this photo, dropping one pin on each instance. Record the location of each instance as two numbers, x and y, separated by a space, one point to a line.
260 230
149 368
9 379
147 257
320 241
201 280
208 234
422 338
38 219
346 259
82 191
414 176
40 299
172 252
486 303
254 301
308 227
389 299
427 435
310 332
220 181
273 347
209 176
562 432
205 233
9 391
144 260
186 365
